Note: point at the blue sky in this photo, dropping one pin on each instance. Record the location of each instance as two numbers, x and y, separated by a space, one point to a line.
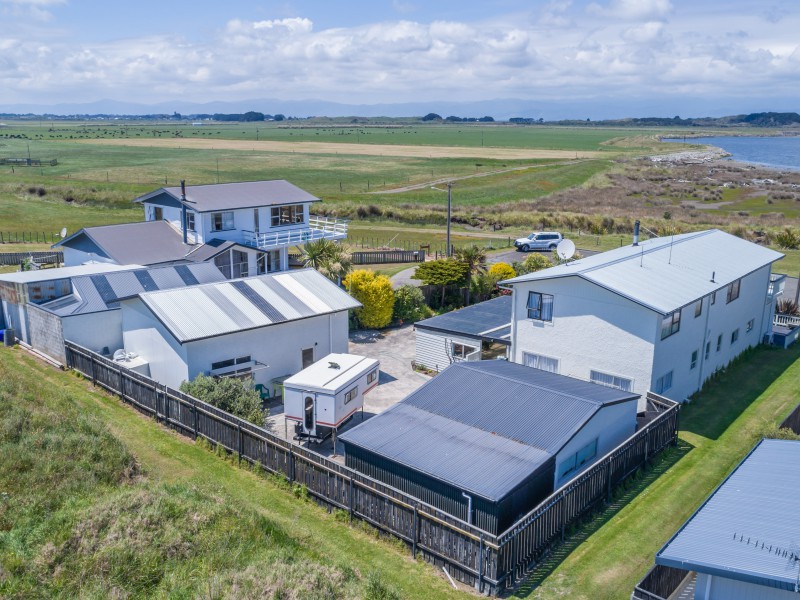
725 54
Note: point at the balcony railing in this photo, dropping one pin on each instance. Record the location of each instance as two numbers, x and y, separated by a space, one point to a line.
318 228
790 321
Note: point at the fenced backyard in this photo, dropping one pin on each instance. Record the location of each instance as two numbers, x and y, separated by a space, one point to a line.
40 258
490 563
28 237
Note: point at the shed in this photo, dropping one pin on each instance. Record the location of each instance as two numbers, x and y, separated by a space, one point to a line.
324 396
743 541
478 332
486 441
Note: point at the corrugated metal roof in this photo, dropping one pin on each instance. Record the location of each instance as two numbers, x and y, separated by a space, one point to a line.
490 320
96 293
667 273
211 310
64 272
230 196
470 422
759 502
322 376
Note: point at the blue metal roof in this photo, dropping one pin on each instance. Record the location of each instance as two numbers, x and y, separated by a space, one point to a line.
484 426
750 525
489 320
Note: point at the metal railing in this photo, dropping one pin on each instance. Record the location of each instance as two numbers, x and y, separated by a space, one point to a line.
318 228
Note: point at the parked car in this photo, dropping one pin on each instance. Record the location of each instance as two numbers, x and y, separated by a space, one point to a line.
539 240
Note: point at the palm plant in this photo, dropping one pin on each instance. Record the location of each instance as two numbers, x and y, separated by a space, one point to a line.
474 257
331 259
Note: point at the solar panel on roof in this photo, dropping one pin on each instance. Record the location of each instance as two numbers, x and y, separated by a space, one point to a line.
104 288
186 275
146 280
265 307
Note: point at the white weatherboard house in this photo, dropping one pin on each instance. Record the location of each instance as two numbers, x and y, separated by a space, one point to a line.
266 327
662 315
245 228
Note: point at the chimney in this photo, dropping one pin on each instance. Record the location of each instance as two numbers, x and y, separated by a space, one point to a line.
636 233
183 212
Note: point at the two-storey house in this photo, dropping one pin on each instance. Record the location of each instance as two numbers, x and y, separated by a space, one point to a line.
244 228
662 315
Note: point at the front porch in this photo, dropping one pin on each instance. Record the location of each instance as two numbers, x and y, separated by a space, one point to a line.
318 228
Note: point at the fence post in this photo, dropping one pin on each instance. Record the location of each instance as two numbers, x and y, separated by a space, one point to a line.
608 483
646 445
166 406
121 384
291 464
415 537
563 515
194 412
94 375
480 566
239 441
350 499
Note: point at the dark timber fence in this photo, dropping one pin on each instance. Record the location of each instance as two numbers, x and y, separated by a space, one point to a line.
490 563
28 237
42 258
793 420
379 257
659 583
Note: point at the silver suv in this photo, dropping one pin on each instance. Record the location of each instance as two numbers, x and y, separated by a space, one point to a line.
539 240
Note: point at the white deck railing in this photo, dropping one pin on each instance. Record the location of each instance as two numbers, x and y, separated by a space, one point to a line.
786 320
318 228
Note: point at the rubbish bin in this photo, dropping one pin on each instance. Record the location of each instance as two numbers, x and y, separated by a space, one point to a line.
8 337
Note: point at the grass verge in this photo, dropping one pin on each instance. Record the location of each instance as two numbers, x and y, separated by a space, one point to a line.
98 501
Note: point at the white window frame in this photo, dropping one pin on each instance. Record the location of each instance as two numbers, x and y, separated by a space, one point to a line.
226 221
664 383
540 307
549 364
287 214
693 361
463 352
190 220
610 380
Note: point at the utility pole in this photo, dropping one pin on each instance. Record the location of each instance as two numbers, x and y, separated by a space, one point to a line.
448 251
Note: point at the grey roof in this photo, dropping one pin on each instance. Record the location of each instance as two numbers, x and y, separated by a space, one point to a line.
230 196
144 243
484 426
758 503
63 272
100 292
665 274
490 320
215 309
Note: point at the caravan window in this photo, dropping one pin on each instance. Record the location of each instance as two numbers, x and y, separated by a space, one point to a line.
373 375
351 395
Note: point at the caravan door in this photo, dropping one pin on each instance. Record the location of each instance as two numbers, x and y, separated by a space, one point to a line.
310 413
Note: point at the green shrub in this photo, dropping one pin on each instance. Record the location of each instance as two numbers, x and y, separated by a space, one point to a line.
788 239
501 271
232 395
409 304
532 263
375 293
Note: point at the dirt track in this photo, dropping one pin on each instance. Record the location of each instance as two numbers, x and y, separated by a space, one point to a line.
362 149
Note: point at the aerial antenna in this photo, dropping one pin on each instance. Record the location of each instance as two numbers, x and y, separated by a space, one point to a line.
63 232
565 249
792 553
671 241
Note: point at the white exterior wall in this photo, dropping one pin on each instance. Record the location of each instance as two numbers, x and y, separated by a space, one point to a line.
675 352
95 331
611 425
712 587
16 318
592 329
73 257
278 346
144 334
434 350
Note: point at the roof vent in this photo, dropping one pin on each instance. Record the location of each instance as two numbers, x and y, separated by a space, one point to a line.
333 365
713 275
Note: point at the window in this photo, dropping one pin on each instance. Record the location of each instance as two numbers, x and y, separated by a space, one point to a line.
291 214
664 383
462 350
538 361
190 221
540 306
221 221
255 220
373 375
268 262
708 349
694 359
671 324
351 395
734 336
230 362
713 298
719 342
308 357
733 291
750 324
228 366
239 264
158 213
223 263
577 460
609 380
698 308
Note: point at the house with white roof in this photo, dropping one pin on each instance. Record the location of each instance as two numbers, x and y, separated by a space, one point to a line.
265 327
660 315
244 228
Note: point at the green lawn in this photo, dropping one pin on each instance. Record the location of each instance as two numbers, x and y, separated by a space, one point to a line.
613 552
98 501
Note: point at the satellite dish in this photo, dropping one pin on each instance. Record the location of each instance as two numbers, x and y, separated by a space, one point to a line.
63 232
565 249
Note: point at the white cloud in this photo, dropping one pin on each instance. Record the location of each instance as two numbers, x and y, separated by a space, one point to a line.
634 10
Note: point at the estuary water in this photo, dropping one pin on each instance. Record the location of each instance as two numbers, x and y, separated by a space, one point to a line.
779 152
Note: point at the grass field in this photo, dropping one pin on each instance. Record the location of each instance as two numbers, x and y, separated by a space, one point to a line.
614 551
97 501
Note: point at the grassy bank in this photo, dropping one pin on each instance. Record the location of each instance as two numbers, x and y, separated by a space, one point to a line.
97 501
614 551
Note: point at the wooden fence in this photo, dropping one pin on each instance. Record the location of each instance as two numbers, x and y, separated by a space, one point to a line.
491 563
378 257
28 237
793 420
659 583
29 162
42 258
